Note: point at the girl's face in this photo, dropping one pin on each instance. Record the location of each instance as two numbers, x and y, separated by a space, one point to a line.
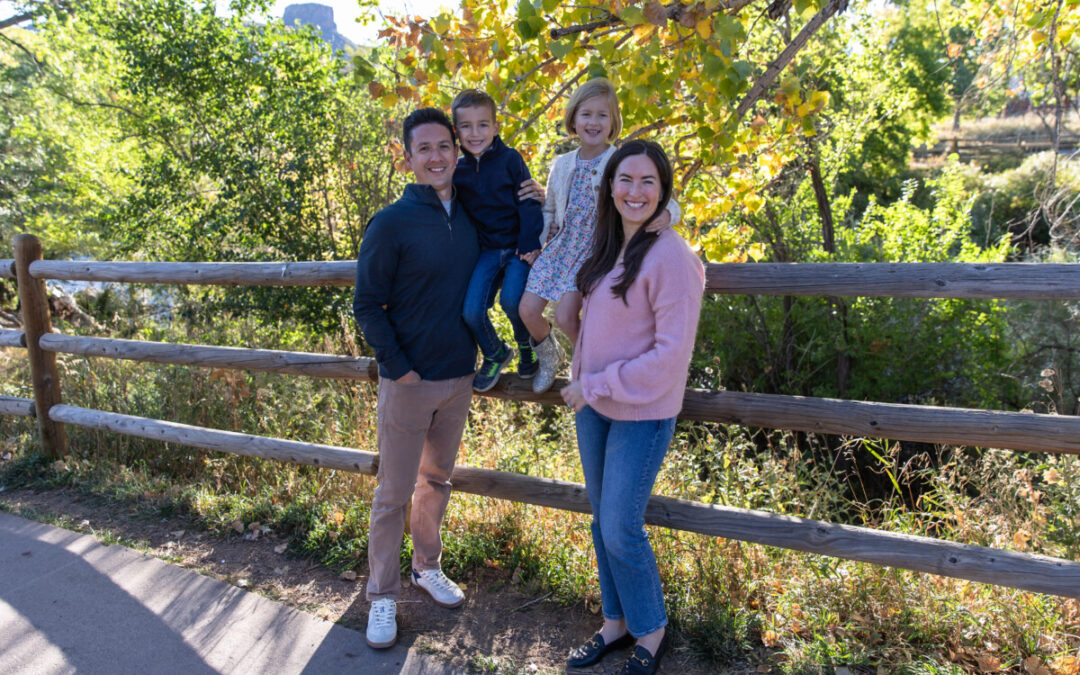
592 122
636 190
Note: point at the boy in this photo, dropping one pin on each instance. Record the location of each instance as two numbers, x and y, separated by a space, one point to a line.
487 179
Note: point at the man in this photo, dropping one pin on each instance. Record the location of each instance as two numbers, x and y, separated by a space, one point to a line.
411 276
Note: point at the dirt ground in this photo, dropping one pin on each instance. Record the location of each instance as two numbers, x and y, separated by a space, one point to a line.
499 629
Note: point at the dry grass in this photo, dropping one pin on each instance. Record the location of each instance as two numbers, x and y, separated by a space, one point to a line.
740 603
1028 127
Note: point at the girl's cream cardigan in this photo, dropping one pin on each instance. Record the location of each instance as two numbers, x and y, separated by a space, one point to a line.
558 191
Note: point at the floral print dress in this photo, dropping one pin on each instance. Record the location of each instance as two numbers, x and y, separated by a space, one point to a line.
553 274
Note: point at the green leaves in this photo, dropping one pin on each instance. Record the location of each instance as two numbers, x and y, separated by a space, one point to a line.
633 16
529 23
363 70
560 48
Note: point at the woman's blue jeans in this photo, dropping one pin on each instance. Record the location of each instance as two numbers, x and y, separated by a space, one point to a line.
620 461
495 269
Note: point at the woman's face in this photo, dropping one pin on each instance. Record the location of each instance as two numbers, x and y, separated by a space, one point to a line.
636 189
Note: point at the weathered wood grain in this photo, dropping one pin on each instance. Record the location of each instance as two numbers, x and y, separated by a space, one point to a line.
956 426
268 360
1029 281
336 273
12 338
18 407
7 268
37 322
1040 574
929 424
1032 281
327 456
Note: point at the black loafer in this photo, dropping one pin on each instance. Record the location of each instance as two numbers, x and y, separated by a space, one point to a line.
593 649
641 662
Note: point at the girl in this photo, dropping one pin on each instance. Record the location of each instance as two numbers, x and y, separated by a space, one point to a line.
641 304
569 221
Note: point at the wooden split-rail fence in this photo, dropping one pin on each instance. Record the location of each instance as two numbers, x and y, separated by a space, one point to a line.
985 428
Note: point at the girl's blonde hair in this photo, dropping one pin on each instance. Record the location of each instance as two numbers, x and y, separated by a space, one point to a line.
600 86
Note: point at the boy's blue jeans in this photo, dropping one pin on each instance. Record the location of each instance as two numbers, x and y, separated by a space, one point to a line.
620 461
494 268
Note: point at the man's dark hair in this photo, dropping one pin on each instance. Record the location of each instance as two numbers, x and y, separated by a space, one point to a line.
424 116
472 98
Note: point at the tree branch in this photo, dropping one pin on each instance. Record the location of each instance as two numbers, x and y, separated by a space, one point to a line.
61 6
672 12
611 20
16 43
638 133
16 20
551 102
777 66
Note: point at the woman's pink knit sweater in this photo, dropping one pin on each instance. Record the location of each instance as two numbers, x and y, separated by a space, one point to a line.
632 358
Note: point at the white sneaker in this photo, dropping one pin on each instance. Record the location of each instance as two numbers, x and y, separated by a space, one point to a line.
443 591
382 623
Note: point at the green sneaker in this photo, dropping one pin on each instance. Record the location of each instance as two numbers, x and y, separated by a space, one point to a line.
528 363
488 375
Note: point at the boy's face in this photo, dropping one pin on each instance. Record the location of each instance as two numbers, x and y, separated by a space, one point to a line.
476 129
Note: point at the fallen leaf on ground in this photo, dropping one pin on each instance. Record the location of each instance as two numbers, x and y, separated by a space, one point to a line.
1033 665
770 638
1065 665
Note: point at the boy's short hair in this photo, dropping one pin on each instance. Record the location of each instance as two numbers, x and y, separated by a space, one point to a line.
600 86
424 116
472 98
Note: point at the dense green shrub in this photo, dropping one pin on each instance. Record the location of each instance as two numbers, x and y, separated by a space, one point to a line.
1022 203
900 350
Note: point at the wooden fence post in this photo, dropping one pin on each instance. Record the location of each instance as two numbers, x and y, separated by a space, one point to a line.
37 322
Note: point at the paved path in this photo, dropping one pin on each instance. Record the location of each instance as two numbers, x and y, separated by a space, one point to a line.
69 603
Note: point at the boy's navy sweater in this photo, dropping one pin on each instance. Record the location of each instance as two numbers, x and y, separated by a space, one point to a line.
487 186
411 276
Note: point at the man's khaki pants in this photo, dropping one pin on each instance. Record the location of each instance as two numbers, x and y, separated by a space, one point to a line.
419 427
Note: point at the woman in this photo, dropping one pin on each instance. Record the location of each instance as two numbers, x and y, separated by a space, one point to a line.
642 296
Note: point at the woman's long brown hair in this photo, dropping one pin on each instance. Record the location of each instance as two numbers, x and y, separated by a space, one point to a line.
608 238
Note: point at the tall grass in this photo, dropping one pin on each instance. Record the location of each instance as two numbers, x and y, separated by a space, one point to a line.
735 602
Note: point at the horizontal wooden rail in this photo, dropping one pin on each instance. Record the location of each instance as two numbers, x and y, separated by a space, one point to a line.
1030 281
7 268
12 338
1023 281
896 421
956 426
341 273
19 407
291 363
1028 572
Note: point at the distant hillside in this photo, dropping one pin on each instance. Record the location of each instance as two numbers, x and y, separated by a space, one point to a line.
320 16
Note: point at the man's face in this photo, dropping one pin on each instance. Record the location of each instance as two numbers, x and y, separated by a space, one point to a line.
476 129
431 157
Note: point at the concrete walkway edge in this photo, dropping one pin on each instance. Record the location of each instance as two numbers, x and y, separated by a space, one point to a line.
69 603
